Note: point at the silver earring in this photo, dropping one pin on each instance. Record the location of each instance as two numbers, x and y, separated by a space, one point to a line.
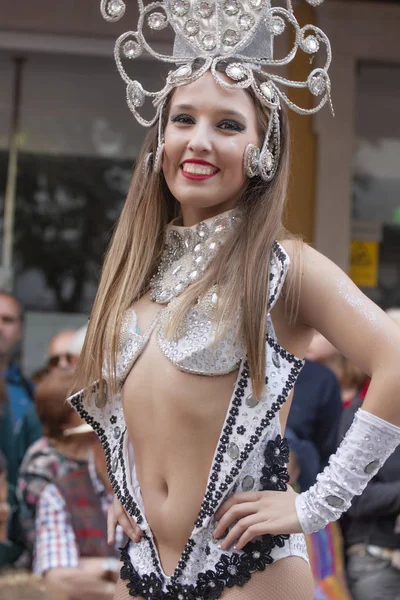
158 159
270 152
267 163
251 158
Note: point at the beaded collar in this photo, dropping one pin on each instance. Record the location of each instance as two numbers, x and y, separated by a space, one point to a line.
187 252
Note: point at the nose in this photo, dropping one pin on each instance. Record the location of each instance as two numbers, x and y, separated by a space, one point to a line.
63 363
201 139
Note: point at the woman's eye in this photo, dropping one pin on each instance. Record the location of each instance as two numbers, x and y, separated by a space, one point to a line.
185 119
231 125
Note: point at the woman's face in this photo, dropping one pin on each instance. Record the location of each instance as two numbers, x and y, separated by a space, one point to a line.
207 131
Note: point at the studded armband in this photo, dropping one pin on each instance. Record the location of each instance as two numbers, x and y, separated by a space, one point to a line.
366 446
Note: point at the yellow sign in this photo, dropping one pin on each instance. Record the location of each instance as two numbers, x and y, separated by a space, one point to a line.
364 263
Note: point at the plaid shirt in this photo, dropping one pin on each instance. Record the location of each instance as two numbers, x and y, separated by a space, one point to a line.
56 545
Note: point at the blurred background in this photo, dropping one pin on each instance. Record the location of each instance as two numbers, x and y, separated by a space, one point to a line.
68 144
64 117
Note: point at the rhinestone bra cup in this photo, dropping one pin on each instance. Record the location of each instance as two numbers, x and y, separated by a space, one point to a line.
197 347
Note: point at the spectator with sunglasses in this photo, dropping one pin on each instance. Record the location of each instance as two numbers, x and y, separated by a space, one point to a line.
60 357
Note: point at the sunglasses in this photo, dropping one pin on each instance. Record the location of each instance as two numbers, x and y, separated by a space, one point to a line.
69 360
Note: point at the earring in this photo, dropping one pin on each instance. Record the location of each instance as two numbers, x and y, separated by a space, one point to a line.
158 159
250 159
270 152
267 163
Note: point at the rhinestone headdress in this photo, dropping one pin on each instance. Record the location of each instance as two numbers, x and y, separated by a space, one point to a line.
235 37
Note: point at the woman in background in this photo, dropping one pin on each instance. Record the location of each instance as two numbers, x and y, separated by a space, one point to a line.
63 448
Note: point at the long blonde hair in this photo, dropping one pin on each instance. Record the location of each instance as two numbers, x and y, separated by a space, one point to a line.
241 269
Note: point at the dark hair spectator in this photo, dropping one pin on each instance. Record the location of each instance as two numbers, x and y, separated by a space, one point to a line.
51 405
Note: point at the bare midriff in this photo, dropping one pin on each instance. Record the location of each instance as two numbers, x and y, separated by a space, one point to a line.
174 420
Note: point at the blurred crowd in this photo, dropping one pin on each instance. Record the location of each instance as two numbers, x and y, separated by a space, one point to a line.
55 494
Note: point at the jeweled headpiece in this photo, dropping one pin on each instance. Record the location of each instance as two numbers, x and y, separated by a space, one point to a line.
235 37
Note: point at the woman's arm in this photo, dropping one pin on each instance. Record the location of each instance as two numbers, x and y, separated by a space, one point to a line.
333 305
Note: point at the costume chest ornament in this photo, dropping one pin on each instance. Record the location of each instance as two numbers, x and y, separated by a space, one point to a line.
187 253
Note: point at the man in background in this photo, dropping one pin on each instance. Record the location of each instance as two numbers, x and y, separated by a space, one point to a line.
19 424
59 356
19 389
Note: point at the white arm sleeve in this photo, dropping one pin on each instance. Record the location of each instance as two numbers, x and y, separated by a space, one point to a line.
367 445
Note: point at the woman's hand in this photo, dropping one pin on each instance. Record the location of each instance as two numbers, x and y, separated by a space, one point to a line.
256 513
117 515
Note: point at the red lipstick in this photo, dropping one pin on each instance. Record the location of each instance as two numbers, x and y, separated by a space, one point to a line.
198 176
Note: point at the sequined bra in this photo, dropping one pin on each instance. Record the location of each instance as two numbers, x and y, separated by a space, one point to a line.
198 349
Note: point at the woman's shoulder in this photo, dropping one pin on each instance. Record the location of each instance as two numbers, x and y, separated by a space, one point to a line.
291 246
292 334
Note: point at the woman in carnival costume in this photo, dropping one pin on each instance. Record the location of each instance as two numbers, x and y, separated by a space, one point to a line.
204 311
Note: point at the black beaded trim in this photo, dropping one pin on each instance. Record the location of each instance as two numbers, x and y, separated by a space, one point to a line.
282 257
125 498
230 570
190 544
154 555
210 503
227 430
133 509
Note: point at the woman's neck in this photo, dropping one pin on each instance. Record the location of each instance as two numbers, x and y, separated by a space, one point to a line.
192 215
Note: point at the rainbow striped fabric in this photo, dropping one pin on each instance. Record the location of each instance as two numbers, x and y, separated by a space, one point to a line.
325 549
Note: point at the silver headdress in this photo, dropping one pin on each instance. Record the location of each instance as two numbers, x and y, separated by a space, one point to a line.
231 36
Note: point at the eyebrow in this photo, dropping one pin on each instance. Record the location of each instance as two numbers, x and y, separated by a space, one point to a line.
225 111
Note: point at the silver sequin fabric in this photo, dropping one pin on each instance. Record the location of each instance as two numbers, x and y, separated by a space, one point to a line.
366 446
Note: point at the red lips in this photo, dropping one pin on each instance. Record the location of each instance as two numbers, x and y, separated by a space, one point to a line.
198 176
